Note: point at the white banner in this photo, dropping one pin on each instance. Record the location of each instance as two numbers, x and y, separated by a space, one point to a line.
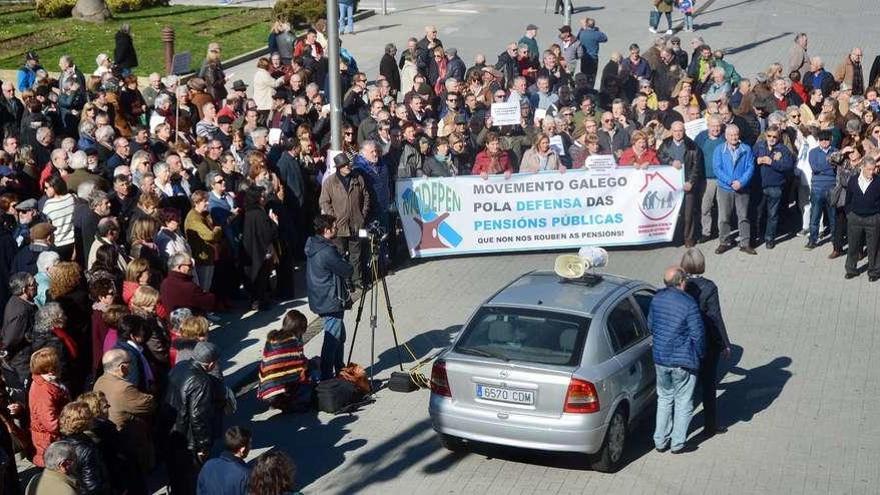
695 127
548 210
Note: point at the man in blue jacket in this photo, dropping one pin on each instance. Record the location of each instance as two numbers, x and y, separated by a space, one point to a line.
824 178
326 272
590 37
734 165
679 345
228 474
776 163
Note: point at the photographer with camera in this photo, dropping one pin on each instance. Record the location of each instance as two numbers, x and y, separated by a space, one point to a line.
345 196
326 272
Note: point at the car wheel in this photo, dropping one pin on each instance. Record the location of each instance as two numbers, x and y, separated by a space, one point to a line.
609 457
452 444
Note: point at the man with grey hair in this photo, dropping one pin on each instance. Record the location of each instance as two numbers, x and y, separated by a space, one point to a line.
58 159
18 321
107 234
798 60
121 155
377 175
59 477
734 166
388 68
818 78
193 405
679 346
70 72
179 290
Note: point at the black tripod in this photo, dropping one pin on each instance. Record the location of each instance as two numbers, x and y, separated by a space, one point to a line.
373 288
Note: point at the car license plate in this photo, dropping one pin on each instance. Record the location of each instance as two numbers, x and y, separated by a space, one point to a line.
502 394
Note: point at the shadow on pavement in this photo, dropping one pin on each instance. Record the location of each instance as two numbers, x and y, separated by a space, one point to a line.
314 445
420 345
753 44
403 449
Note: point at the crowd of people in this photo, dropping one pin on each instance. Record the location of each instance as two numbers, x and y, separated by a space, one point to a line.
131 214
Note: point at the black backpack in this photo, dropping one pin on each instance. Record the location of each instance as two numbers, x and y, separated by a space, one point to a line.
335 395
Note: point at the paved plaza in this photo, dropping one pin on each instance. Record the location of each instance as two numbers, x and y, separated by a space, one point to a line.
799 394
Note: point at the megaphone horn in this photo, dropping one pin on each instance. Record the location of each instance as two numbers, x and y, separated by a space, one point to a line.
569 266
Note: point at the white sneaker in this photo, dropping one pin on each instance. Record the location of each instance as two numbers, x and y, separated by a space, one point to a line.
652 30
668 31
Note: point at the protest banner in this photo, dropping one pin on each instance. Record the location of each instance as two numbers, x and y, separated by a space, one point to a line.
506 113
548 210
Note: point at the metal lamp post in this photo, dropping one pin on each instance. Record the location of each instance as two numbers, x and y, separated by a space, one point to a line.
335 88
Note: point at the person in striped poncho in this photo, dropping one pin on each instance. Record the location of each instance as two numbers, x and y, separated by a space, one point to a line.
284 370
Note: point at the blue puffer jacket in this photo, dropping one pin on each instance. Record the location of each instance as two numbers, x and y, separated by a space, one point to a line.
325 271
731 165
679 336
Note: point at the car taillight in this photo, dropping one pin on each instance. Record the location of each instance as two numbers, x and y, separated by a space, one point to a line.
581 397
439 381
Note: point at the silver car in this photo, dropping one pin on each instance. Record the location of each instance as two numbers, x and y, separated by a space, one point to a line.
551 364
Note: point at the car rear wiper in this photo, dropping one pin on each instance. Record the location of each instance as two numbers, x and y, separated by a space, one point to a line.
480 352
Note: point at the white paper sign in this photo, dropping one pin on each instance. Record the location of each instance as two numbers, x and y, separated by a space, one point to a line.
600 162
695 127
274 136
556 145
506 113
540 113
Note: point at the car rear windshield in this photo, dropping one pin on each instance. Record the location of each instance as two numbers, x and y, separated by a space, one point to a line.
530 336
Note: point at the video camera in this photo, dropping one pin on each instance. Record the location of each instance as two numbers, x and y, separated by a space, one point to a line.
374 232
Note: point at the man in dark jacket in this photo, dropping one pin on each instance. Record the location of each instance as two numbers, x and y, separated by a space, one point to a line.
388 68
191 409
18 322
41 241
776 164
863 219
680 151
345 196
228 474
679 345
124 54
455 66
326 272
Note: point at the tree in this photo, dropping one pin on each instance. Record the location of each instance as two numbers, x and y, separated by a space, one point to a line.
91 10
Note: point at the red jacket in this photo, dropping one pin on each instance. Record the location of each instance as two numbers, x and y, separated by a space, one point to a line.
179 291
45 399
301 48
484 163
628 157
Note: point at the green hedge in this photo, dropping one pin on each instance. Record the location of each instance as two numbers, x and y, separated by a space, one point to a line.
300 12
55 8
62 8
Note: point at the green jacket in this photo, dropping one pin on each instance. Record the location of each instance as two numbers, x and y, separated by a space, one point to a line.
730 74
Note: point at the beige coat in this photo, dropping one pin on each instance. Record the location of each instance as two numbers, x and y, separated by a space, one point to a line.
349 207
264 87
130 411
531 161
54 483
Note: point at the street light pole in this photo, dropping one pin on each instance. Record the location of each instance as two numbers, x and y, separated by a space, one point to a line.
333 77
568 12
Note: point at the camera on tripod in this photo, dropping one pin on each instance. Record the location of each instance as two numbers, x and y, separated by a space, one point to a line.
374 232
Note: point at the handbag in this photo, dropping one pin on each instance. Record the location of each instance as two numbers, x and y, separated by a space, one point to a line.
357 375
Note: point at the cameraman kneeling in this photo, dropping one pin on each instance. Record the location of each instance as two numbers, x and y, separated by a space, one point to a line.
326 272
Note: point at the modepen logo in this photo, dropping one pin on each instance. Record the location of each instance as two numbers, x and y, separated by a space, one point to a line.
657 197
420 203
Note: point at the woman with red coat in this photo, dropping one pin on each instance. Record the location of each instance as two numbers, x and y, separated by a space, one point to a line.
493 159
639 155
46 398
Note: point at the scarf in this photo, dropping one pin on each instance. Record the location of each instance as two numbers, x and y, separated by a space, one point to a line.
67 340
